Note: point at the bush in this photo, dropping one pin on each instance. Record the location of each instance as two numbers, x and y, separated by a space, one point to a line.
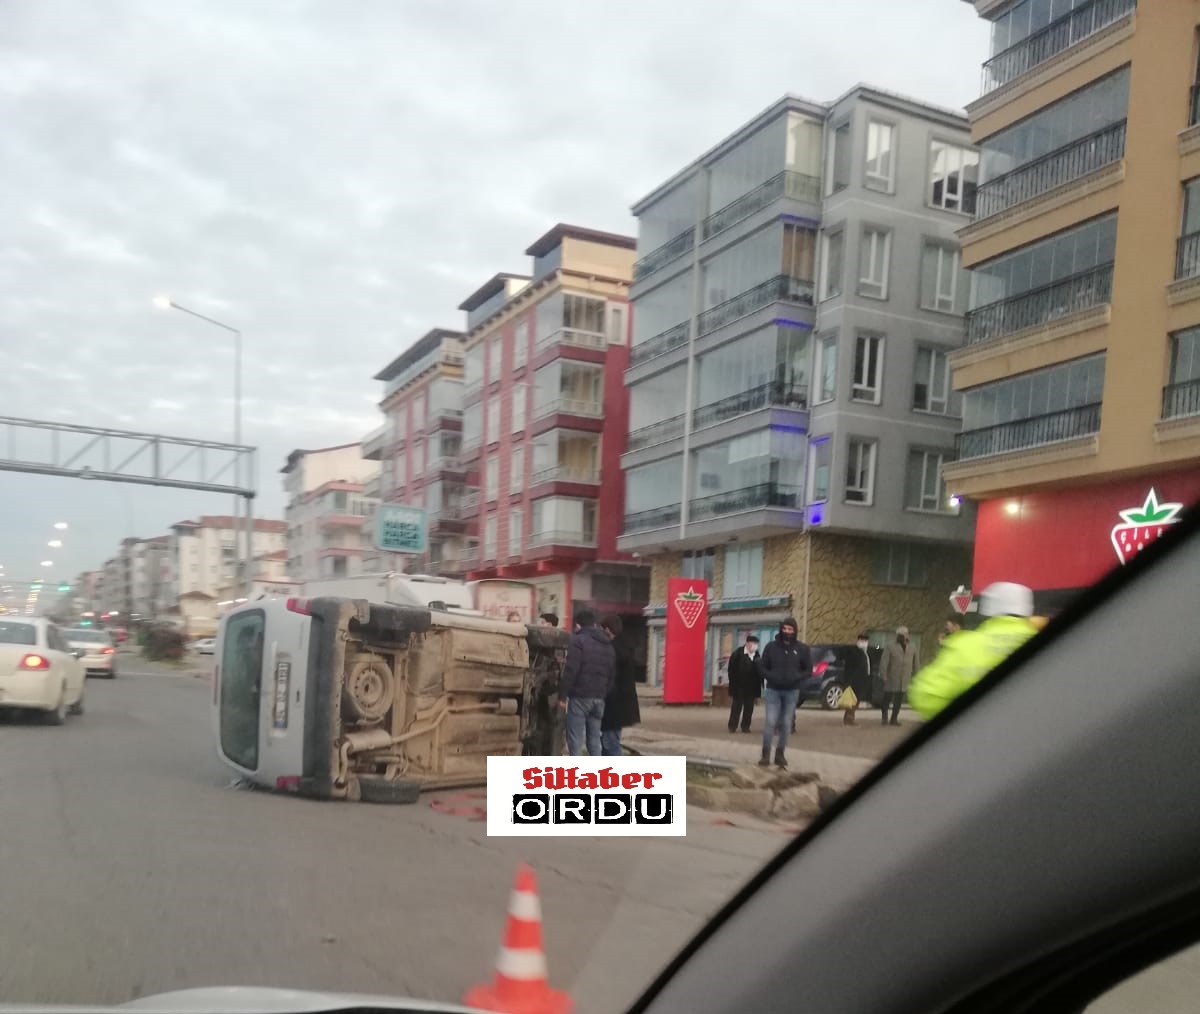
163 644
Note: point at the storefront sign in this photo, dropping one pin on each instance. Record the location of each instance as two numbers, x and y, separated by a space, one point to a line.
1142 525
729 605
687 635
960 600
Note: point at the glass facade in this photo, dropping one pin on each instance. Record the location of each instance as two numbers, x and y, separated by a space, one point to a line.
755 160
564 520
655 485
742 266
663 308
657 398
565 384
765 456
1026 18
805 138
1038 393
770 354
667 217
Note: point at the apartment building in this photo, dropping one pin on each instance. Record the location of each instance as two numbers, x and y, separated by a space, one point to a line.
149 573
544 422
1080 377
327 505
797 295
418 450
204 555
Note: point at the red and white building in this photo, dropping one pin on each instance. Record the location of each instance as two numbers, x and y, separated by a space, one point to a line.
545 417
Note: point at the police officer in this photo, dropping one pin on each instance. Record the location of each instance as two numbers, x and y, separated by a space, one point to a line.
968 655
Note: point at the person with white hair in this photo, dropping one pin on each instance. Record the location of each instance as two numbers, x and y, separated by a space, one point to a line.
969 655
897 667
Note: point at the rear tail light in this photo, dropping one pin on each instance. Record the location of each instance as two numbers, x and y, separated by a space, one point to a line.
108 650
301 606
36 663
819 668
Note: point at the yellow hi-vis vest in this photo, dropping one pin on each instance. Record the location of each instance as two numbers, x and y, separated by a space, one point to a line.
965 658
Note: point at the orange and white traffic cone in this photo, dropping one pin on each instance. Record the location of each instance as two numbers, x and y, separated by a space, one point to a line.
520 985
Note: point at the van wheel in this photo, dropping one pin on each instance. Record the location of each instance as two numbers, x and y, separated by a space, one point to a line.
382 790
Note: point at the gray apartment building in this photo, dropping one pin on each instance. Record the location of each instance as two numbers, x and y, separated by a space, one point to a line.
797 291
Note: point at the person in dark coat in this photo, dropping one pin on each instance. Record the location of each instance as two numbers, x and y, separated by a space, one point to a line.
588 675
786 664
858 669
745 684
621 708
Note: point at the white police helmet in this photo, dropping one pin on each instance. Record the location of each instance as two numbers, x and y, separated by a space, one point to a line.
1006 598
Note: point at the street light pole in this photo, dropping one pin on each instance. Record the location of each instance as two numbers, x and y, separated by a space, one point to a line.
166 303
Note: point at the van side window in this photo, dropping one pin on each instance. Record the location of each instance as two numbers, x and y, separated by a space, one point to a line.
241 682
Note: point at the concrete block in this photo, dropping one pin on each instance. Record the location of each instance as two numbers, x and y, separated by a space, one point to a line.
797 802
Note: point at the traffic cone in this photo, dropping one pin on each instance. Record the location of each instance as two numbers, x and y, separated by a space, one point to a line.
520 985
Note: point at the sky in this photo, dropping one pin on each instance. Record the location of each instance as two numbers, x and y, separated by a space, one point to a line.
333 179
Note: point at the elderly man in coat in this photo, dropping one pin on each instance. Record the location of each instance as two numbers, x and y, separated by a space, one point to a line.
897 668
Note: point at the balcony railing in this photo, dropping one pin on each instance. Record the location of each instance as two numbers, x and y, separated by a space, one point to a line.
1083 291
569 406
660 344
785 184
1054 169
1181 399
1022 434
777 392
1061 34
656 517
1187 256
655 433
470 500
660 256
564 537
573 336
564 473
781 287
446 512
765 494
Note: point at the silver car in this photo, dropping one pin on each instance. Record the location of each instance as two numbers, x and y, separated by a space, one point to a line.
98 652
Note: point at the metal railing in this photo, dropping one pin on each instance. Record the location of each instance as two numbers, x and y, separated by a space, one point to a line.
564 473
781 287
656 517
1187 256
661 256
798 186
1083 291
660 344
1054 169
1181 399
569 406
1022 434
444 463
1061 34
777 392
446 512
573 336
563 537
655 433
734 501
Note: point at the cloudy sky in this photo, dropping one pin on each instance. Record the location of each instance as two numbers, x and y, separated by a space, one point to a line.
334 177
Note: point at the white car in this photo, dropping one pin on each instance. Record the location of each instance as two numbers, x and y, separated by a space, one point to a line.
99 652
39 670
204 646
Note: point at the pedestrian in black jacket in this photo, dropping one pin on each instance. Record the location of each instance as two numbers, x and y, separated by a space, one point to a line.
745 684
786 664
621 708
588 676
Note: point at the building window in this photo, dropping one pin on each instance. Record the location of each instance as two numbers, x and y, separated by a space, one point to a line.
520 343
837 166
564 521
931 381
825 368
924 487
953 177
489 537
495 354
698 565
800 253
822 462
516 531
583 313
868 369
943 287
491 481
516 473
1187 255
616 325
1182 394
417 463
904 564
874 255
833 250
493 419
518 408
860 472
881 157
472 425
743 571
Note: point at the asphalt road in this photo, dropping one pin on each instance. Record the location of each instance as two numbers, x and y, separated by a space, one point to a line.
129 865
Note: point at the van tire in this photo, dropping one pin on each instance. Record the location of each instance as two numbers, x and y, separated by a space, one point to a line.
382 790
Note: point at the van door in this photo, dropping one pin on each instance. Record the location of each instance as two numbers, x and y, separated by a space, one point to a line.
241 688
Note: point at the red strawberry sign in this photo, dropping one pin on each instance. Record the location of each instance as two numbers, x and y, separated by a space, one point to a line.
1142 525
690 606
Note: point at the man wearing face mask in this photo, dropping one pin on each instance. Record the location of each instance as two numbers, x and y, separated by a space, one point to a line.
786 664
858 669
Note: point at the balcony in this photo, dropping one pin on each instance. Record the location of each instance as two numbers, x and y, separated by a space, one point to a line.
775 393
373 443
472 390
585 408
735 501
1055 169
660 344
1037 307
797 186
659 257
444 419
1057 37
655 433
1023 434
1182 399
343 520
656 517
572 336
565 473
564 537
448 511
780 288
470 501
445 463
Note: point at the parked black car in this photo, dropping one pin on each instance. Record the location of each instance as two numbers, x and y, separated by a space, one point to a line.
828 678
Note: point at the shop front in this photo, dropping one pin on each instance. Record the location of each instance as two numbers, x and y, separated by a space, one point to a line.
1061 541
